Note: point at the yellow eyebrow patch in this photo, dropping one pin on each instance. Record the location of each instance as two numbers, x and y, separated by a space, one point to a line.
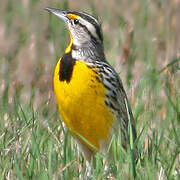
72 16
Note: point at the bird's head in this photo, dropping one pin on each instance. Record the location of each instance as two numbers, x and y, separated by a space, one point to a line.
83 27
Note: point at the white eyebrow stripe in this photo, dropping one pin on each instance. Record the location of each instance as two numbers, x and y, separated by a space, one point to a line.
90 27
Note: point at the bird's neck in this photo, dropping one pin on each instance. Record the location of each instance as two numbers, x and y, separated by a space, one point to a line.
89 51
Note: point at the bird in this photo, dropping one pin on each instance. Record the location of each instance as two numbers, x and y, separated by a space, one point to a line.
90 95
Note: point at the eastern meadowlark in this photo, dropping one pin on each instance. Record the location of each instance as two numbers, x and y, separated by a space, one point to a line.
90 95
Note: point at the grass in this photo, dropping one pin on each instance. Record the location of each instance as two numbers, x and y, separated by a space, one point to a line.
143 47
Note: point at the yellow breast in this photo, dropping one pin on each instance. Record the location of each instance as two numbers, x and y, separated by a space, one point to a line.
81 104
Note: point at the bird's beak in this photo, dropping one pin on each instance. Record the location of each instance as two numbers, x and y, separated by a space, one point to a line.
59 13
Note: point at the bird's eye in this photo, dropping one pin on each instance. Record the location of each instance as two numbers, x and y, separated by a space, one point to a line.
76 21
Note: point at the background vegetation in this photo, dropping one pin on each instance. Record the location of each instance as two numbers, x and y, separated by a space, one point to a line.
141 41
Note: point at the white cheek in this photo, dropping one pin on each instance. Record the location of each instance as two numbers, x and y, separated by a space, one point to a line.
76 40
79 37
